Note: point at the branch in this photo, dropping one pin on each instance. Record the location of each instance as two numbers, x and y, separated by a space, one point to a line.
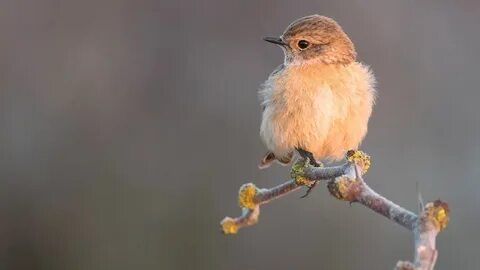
345 183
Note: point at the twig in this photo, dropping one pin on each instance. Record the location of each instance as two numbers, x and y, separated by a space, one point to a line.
345 182
433 219
250 197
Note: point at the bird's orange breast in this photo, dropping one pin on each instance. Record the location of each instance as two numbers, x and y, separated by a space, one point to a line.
323 109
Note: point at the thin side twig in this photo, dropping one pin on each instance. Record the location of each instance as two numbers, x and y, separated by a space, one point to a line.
432 220
251 197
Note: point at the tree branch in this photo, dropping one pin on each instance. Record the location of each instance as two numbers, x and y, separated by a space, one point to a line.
345 183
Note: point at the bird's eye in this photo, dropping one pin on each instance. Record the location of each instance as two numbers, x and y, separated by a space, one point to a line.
303 44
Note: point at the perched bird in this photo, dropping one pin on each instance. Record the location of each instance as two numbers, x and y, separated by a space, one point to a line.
318 102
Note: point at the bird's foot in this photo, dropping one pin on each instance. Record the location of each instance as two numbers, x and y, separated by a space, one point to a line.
297 173
309 156
310 188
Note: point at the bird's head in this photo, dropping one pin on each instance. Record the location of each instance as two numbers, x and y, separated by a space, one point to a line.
315 38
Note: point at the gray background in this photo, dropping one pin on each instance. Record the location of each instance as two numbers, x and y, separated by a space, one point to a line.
127 127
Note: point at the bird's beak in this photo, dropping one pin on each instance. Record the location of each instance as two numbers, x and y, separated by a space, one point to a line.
275 40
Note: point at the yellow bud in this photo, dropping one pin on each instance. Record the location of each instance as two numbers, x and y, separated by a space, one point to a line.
297 173
359 158
438 211
302 181
441 213
246 196
229 226
343 188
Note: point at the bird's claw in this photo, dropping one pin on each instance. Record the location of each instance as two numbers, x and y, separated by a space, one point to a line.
310 188
297 172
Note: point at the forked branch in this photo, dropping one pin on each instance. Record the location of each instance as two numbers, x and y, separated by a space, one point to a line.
346 183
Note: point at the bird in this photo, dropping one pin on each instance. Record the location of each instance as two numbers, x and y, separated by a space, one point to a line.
318 102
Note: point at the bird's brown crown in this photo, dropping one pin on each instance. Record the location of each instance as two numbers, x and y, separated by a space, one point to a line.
317 37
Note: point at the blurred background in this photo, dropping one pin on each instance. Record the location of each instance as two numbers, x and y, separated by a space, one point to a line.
127 127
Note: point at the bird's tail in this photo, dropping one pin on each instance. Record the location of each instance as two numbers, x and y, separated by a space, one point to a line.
270 157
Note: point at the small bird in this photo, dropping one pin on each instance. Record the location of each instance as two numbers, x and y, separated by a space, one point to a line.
318 102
